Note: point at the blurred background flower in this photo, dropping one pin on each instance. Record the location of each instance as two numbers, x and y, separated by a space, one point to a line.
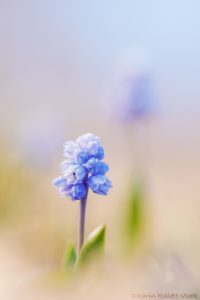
132 96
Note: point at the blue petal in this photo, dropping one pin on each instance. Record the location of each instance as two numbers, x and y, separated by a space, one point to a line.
80 173
82 157
59 181
100 153
78 191
91 163
99 168
99 184
93 182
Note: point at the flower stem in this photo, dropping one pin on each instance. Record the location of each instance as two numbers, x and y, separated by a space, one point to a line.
81 230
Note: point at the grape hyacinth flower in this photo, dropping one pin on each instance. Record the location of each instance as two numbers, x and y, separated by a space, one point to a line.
135 97
83 169
133 89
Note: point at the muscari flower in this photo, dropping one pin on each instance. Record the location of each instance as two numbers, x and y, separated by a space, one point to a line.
133 86
83 168
135 98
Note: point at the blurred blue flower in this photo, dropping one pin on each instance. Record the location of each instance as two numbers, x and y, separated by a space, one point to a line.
83 168
135 97
133 90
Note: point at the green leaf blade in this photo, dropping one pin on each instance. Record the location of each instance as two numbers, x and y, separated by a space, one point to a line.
93 246
135 215
70 258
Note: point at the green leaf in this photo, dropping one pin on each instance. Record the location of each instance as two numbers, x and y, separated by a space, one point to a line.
134 218
70 258
93 246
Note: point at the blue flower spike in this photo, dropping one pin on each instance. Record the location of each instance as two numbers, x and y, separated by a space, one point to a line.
83 169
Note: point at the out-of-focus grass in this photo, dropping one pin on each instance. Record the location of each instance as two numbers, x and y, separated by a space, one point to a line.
14 186
28 221
69 259
135 219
